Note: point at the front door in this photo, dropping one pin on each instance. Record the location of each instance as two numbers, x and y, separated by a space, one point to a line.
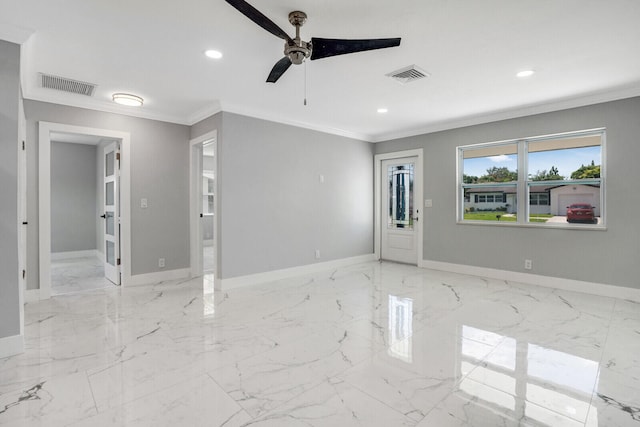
111 215
399 216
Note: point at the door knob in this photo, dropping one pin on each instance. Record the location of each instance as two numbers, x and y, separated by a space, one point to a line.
103 216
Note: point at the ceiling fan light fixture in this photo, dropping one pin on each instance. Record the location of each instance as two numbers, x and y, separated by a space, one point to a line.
127 99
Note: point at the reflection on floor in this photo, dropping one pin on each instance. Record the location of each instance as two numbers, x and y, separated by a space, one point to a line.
77 275
207 258
375 344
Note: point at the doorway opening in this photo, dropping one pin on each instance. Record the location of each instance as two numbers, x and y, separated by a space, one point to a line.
204 199
84 229
398 207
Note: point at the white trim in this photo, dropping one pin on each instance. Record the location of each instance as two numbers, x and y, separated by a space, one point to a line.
283 120
31 295
195 226
14 34
525 111
22 210
419 196
158 276
44 197
74 254
205 113
10 346
270 276
599 289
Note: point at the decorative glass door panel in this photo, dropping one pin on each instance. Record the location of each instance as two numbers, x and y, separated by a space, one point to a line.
399 213
400 182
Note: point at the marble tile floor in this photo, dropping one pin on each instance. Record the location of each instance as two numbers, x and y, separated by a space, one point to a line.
77 274
374 344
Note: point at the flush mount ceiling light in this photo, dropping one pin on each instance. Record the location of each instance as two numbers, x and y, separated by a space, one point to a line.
127 99
525 73
213 54
383 110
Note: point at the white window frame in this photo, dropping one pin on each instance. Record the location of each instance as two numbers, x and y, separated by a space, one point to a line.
523 184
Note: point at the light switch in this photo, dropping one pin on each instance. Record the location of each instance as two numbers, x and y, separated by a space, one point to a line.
428 203
143 203
321 179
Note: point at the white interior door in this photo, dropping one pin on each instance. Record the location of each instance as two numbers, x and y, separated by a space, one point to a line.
111 215
203 199
399 215
207 206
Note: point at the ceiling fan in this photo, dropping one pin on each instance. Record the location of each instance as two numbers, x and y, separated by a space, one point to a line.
296 50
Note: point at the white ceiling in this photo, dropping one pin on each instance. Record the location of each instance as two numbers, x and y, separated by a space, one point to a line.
583 51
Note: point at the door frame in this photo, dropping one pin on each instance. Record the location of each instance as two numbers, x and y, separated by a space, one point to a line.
195 224
418 194
44 197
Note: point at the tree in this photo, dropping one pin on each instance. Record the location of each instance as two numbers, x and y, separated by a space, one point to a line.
469 179
584 172
543 175
496 174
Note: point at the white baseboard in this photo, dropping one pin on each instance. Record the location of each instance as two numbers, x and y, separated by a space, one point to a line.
31 295
74 254
159 276
10 346
270 276
599 289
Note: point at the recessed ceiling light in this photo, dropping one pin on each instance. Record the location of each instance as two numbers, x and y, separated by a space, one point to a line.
525 73
127 99
383 110
213 54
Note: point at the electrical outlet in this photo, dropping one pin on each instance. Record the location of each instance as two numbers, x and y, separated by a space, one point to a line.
317 253
161 262
528 264
144 203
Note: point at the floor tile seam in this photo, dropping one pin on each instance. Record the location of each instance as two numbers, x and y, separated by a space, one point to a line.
147 394
242 408
93 396
594 391
364 391
317 383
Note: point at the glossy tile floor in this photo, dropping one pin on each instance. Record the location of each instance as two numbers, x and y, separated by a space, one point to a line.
77 275
376 344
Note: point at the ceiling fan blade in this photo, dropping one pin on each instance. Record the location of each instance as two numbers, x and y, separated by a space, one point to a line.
278 70
256 16
324 48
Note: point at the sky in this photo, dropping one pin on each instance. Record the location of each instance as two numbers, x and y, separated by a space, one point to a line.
566 161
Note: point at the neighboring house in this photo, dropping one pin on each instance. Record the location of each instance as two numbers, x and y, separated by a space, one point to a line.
543 199
564 195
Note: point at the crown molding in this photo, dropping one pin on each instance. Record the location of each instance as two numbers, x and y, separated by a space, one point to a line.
629 91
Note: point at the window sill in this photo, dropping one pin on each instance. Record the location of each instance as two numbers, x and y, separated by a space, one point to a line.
554 226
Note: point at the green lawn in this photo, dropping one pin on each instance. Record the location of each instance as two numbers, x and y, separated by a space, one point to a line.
501 216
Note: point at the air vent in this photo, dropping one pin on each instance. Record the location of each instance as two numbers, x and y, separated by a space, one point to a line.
408 74
66 85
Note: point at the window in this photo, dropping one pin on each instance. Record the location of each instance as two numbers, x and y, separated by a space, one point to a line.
549 173
538 199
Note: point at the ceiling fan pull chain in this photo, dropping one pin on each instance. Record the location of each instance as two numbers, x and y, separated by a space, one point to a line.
305 83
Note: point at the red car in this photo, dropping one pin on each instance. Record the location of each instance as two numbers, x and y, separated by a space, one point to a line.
581 212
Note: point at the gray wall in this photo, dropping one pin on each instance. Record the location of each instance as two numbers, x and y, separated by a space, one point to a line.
159 172
9 99
609 256
73 197
273 211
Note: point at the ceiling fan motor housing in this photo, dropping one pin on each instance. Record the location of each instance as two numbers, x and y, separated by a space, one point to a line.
300 50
